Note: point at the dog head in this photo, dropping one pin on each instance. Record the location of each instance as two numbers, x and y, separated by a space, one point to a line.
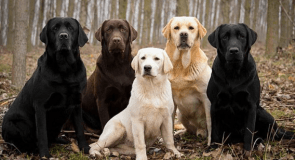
62 37
184 31
233 42
151 62
116 33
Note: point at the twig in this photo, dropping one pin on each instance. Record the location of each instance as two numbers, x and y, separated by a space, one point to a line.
285 119
85 133
7 98
286 13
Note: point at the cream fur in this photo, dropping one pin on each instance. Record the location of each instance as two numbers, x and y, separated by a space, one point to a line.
190 75
149 112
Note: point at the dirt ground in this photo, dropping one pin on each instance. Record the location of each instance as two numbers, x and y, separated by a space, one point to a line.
277 78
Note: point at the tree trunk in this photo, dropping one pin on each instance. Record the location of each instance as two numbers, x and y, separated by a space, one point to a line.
182 8
31 16
255 15
225 11
4 23
285 25
11 23
272 39
207 22
247 12
20 44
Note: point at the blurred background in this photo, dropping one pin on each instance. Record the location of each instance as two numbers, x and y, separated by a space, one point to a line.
148 17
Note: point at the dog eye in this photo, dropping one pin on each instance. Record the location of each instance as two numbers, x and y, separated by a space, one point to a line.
54 28
156 58
70 28
122 30
241 37
109 30
191 28
176 28
224 37
143 58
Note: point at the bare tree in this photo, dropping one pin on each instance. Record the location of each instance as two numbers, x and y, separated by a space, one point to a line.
272 38
285 24
20 44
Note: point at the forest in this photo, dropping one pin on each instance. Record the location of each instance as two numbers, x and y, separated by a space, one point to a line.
21 22
273 18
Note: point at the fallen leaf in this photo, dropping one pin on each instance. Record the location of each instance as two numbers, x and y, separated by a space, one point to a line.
74 147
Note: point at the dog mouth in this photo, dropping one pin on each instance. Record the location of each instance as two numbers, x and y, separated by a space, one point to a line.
148 75
183 46
64 47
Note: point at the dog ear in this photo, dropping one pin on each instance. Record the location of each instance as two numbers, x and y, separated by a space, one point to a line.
43 34
134 63
99 32
82 37
213 37
166 31
252 35
201 29
167 66
132 33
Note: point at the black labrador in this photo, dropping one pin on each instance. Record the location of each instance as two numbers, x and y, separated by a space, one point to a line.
53 93
109 87
234 89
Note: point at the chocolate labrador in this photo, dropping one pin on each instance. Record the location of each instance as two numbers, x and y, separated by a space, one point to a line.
108 88
234 89
53 93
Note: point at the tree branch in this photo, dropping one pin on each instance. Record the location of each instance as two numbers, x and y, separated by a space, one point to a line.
287 13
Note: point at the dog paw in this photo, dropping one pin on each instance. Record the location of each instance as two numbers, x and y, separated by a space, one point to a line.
85 149
178 154
180 132
95 153
202 133
45 155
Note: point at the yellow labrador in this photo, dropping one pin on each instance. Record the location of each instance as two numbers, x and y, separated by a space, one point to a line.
149 112
190 75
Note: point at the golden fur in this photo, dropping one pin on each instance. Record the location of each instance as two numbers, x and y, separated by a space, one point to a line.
190 75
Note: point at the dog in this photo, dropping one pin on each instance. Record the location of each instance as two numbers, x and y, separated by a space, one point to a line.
149 112
190 74
108 88
234 90
53 93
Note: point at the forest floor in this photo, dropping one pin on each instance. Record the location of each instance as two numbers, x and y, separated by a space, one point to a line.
277 78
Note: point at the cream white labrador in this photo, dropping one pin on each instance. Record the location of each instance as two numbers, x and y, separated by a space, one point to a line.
149 112
190 75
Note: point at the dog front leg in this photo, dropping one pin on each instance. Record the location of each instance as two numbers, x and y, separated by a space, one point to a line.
216 127
78 125
250 126
138 138
103 112
167 134
41 129
207 106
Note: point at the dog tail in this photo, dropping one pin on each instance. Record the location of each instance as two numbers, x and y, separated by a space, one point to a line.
280 133
91 121
268 128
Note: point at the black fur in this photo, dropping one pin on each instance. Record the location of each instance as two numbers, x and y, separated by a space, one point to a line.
53 93
234 89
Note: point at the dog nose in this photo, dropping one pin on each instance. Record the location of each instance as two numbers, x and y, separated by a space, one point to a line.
147 68
233 50
183 35
63 36
116 40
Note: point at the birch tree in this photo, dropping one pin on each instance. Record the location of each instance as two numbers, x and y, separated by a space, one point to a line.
20 44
